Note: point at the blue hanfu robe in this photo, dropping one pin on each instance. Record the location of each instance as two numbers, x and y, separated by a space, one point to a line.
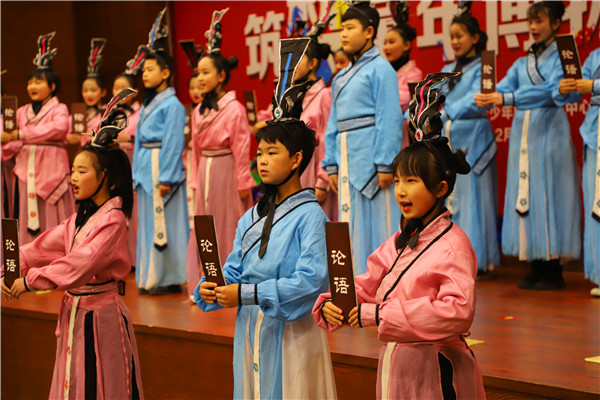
590 132
364 134
160 132
278 350
542 210
473 203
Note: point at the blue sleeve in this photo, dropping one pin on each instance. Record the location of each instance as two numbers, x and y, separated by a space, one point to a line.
136 153
173 143
534 96
292 298
328 163
465 108
509 83
388 118
588 69
232 270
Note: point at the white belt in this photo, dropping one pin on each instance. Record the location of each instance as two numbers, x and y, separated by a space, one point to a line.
160 227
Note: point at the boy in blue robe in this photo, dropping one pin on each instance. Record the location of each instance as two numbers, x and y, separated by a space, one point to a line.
364 134
159 176
278 266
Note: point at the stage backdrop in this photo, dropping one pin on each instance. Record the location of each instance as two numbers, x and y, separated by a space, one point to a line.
251 31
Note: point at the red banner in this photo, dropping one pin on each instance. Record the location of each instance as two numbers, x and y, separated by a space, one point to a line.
251 31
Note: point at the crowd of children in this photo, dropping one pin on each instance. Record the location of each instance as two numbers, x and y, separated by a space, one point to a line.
414 176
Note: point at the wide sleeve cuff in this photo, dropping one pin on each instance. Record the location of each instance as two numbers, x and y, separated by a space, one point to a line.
596 87
508 99
368 314
331 169
384 169
247 294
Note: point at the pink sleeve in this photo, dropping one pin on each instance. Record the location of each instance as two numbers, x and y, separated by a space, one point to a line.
445 308
412 75
264 115
325 106
240 146
95 253
46 248
55 126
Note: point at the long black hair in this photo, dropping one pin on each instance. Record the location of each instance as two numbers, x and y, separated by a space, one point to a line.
115 164
223 64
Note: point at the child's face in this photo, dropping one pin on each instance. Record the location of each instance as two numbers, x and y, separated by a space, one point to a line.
341 61
394 46
461 40
153 75
194 90
91 92
208 76
119 84
413 197
354 36
84 179
38 89
541 29
274 162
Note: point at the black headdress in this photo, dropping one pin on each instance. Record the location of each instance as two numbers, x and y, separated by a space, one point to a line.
287 107
95 58
156 41
319 26
287 101
43 59
214 35
113 121
464 8
194 53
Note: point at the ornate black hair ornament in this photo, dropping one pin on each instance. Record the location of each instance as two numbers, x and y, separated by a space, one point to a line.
287 100
214 35
43 59
113 121
95 58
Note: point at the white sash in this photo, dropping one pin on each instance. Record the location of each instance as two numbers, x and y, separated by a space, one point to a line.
256 366
522 205
344 181
70 346
386 364
160 228
33 217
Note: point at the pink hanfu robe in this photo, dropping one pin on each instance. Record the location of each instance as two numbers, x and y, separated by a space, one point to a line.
409 72
132 223
221 167
9 151
315 114
96 356
422 302
44 135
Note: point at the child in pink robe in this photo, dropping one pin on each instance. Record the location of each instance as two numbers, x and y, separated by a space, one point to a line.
42 164
419 288
85 256
220 159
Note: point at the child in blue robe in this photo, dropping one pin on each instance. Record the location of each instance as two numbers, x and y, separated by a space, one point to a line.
473 204
542 209
278 268
364 134
159 179
590 132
